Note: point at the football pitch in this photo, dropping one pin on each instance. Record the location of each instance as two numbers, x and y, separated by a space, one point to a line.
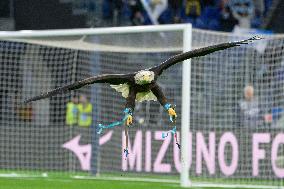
45 183
54 181
40 183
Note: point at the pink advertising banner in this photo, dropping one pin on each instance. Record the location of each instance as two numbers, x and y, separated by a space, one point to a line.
209 153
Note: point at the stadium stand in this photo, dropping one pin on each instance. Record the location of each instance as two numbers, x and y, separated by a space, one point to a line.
213 15
220 15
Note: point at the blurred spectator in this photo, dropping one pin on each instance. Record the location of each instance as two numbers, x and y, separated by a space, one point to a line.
267 5
209 19
23 112
72 112
175 6
117 11
136 15
227 20
112 10
248 120
173 13
243 11
249 113
192 8
85 109
205 14
259 7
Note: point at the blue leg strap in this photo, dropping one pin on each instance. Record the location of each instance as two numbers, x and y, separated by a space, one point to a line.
125 151
174 133
167 107
101 127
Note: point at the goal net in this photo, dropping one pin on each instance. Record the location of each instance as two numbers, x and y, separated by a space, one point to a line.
233 140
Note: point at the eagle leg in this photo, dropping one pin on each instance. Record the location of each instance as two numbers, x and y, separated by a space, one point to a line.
128 118
157 91
171 111
130 105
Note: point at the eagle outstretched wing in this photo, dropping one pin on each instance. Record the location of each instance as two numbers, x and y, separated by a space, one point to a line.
114 79
198 52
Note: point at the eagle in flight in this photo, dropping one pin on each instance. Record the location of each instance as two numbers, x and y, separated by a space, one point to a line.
142 85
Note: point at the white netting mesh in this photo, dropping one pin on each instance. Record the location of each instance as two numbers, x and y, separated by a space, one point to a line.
32 136
218 107
33 67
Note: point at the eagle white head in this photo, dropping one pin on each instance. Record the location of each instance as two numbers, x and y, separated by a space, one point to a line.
144 77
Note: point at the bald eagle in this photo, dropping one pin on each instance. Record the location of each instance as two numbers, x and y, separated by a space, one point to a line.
142 85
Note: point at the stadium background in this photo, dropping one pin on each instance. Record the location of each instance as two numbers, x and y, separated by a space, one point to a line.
212 15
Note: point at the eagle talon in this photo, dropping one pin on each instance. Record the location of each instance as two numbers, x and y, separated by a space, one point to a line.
128 116
247 41
128 121
171 111
172 114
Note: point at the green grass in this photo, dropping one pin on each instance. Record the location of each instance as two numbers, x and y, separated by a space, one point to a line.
70 183
34 180
40 183
45 183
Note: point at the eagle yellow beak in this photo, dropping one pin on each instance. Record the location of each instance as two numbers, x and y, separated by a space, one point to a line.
146 78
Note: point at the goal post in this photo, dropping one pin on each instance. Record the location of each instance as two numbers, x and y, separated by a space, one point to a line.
185 114
218 148
49 37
